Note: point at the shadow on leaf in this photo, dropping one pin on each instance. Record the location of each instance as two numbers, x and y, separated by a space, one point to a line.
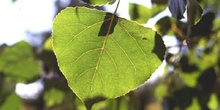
107 27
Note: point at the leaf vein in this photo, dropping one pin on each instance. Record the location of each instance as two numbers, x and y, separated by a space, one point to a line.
135 70
133 39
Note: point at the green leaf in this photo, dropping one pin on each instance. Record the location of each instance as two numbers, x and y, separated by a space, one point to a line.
48 44
53 96
216 24
164 26
13 102
99 63
141 14
161 91
195 105
18 62
99 2
190 79
213 102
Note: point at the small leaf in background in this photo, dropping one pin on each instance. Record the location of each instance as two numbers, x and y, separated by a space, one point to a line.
190 79
161 91
13 102
18 62
141 14
213 103
213 4
99 2
164 25
48 44
102 66
216 24
53 97
194 105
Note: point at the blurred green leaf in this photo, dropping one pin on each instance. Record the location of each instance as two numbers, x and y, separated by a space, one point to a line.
213 102
6 88
190 79
13 102
164 26
53 97
141 14
208 58
211 4
195 105
18 63
161 91
48 44
216 24
99 2
97 63
80 104
14 0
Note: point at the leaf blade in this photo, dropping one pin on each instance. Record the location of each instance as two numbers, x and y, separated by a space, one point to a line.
83 54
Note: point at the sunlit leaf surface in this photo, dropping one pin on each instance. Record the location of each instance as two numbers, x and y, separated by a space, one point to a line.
101 61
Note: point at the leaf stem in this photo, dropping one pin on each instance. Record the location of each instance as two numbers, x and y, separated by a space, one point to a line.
112 18
105 41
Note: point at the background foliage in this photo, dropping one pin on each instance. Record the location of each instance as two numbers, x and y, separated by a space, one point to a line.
190 80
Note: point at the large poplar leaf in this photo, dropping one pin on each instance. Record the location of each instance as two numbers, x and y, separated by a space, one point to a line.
98 61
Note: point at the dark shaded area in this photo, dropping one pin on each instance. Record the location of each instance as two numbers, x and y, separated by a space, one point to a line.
202 29
204 26
194 11
181 30
208 79
90 102
159 2
183 97
159 47
4 90
87 1
186 66
38 104
107 26
177 8
135 12
203 98
168 58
